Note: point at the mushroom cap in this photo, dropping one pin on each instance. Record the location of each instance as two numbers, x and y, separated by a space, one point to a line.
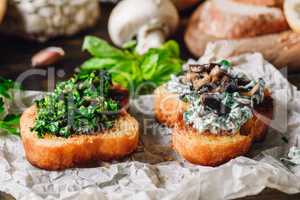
129 16
2 9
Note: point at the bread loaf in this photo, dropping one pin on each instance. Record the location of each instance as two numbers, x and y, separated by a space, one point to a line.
281 49
277 3
229 19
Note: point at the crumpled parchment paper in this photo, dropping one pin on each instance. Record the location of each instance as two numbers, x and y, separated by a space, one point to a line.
154 171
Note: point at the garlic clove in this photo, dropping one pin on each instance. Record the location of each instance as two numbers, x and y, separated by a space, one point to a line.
48 56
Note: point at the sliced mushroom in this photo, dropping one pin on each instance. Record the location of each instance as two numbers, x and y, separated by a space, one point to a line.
196 68
200 82
151 21
190 76
215 104
216 73
252 91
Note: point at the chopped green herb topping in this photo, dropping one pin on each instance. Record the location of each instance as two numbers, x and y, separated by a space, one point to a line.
81 105
225 64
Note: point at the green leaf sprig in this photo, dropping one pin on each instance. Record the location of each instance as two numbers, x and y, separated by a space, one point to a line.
130 69
9 123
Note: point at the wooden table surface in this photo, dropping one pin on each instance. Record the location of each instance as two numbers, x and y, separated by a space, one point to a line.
16 55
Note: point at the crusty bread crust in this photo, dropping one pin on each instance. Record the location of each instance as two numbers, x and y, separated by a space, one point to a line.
232 20
57 153
2 9
276 3
281 49
167 106
208 148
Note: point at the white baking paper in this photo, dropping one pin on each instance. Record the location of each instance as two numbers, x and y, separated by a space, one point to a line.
154 171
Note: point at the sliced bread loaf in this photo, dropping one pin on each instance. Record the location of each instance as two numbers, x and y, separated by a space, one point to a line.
230 19
272 3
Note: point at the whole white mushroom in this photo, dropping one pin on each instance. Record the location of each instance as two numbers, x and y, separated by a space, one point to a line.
150 21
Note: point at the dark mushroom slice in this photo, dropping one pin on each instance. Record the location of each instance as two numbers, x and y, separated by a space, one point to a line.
197 68
216 73
215 104
243 81
252 91
231 86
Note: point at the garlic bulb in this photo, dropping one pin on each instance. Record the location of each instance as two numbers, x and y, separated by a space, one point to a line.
45 19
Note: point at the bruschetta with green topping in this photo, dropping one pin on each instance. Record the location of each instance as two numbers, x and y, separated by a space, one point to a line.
80 123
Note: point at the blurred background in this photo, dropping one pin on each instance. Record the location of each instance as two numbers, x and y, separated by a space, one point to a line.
16 50
29 26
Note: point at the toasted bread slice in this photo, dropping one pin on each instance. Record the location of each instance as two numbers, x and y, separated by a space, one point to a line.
230 19
57 153
167 106
208 148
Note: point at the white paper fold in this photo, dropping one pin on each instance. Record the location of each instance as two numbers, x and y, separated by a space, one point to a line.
154 171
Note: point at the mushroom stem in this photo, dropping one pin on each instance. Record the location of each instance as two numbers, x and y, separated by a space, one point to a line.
149 21
147 39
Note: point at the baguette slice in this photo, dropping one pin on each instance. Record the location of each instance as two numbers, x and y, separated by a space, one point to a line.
281 49
208 148
229 19
57 153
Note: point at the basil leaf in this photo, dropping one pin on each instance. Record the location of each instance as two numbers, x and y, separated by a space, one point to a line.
4 91
10 124
129 68
100 48
130 44
8 129
172 47
149 65
163 74
1 106
98 64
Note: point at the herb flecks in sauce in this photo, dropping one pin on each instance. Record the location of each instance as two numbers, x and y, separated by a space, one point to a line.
81 105
220 99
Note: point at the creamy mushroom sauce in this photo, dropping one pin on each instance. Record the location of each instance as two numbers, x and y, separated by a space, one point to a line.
223 102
